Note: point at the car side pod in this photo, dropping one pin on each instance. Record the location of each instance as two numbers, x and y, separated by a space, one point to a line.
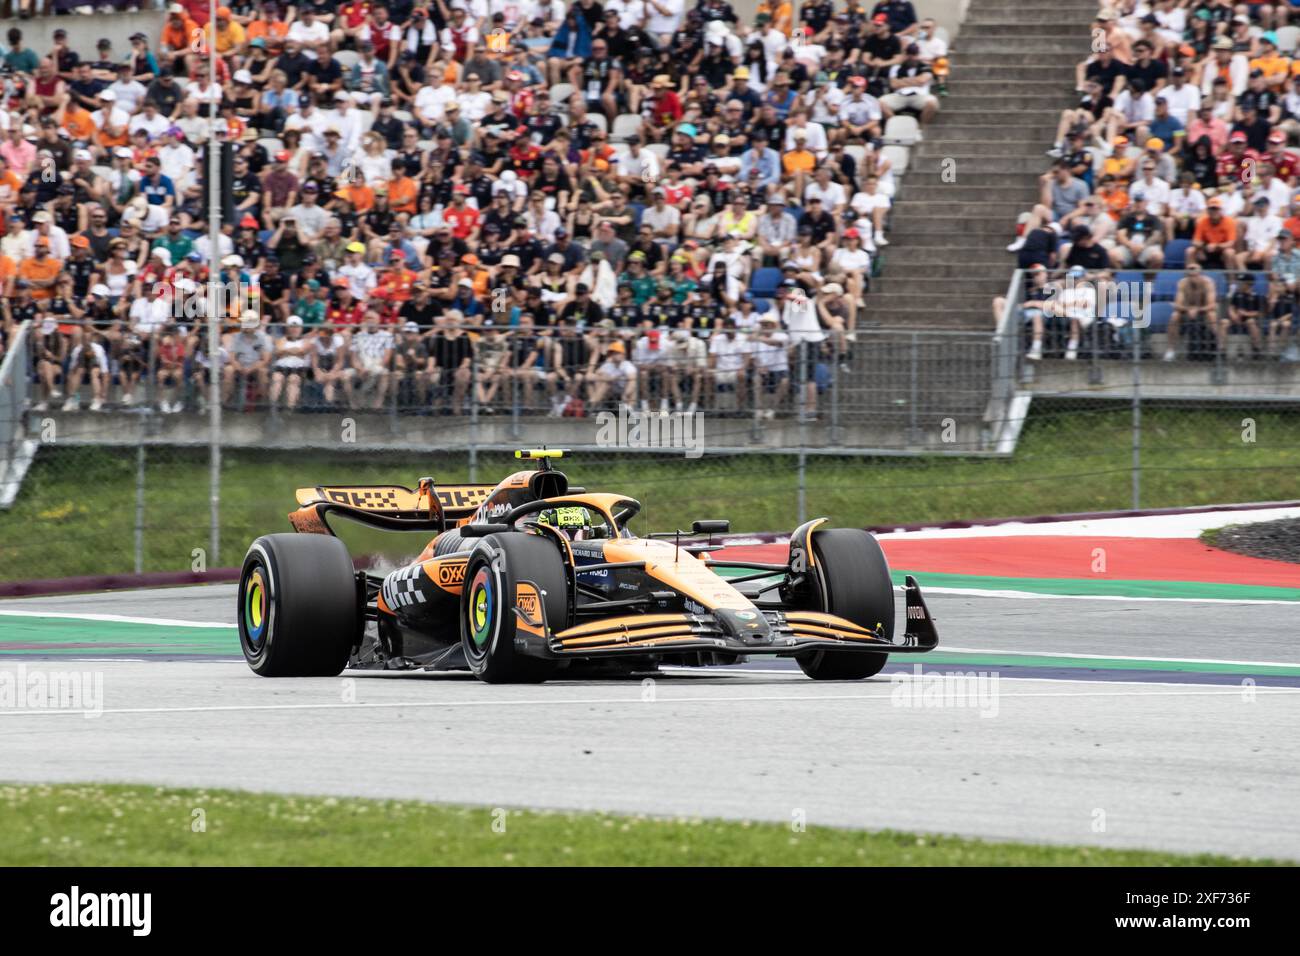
921 634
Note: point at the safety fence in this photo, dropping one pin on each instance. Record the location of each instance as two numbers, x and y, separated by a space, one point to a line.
902 427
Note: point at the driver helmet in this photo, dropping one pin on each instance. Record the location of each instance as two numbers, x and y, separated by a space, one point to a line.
573 521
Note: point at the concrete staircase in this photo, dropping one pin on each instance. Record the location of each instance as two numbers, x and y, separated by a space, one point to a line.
1012 74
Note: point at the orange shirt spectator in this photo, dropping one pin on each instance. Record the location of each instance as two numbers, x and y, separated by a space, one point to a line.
179 32
781 13
79 123
1116 200
403 194
1276 68
799 161
10 187
41 270
361 196
477 275
272 31
1212 233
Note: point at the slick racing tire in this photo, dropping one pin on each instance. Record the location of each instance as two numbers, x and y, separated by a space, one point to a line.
299 614
853 581
488 622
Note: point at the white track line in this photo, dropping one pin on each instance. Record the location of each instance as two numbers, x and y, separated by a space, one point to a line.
942 648
1034 595
636 701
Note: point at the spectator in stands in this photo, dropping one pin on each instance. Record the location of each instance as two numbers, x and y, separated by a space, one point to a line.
1257 241
1086 251
483 195
1077 303
1286 260
1150 187
1060 194
909 84
1246 308
1214 239
1195 306
1140 237
1184 206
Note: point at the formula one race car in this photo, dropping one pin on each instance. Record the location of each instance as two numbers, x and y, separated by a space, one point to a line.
531 579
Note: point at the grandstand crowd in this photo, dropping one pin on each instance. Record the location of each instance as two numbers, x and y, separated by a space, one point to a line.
640 201
1177 156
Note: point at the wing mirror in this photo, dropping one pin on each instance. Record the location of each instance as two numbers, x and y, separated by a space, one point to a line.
718 526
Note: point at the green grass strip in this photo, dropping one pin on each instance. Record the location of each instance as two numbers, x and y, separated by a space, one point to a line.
111 825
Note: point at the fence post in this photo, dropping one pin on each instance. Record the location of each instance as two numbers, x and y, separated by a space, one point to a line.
914 392
1095 375
1137 414
833 432
214 437
473 414
514 392
803 486
139 506
395 380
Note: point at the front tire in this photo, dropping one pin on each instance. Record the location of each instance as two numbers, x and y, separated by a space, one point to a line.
488 623
853 582
298 611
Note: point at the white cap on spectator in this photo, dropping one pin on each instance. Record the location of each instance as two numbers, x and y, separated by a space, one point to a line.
42 216
293 320
250 319
164 254
83 154
510 260
175 8
124 152
408 327
108 95
100 290
234 259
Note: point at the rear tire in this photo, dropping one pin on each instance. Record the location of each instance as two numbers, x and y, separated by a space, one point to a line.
487 618
854 583
298 611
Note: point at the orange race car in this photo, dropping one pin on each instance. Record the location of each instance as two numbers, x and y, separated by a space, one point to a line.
531 578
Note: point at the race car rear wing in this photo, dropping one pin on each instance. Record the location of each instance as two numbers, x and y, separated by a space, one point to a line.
391 507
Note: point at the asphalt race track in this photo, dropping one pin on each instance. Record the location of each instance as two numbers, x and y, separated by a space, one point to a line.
1112 722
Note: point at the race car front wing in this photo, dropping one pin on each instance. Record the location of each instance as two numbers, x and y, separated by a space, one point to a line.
767 631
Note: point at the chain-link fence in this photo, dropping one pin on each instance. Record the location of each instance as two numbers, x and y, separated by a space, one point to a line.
877 429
